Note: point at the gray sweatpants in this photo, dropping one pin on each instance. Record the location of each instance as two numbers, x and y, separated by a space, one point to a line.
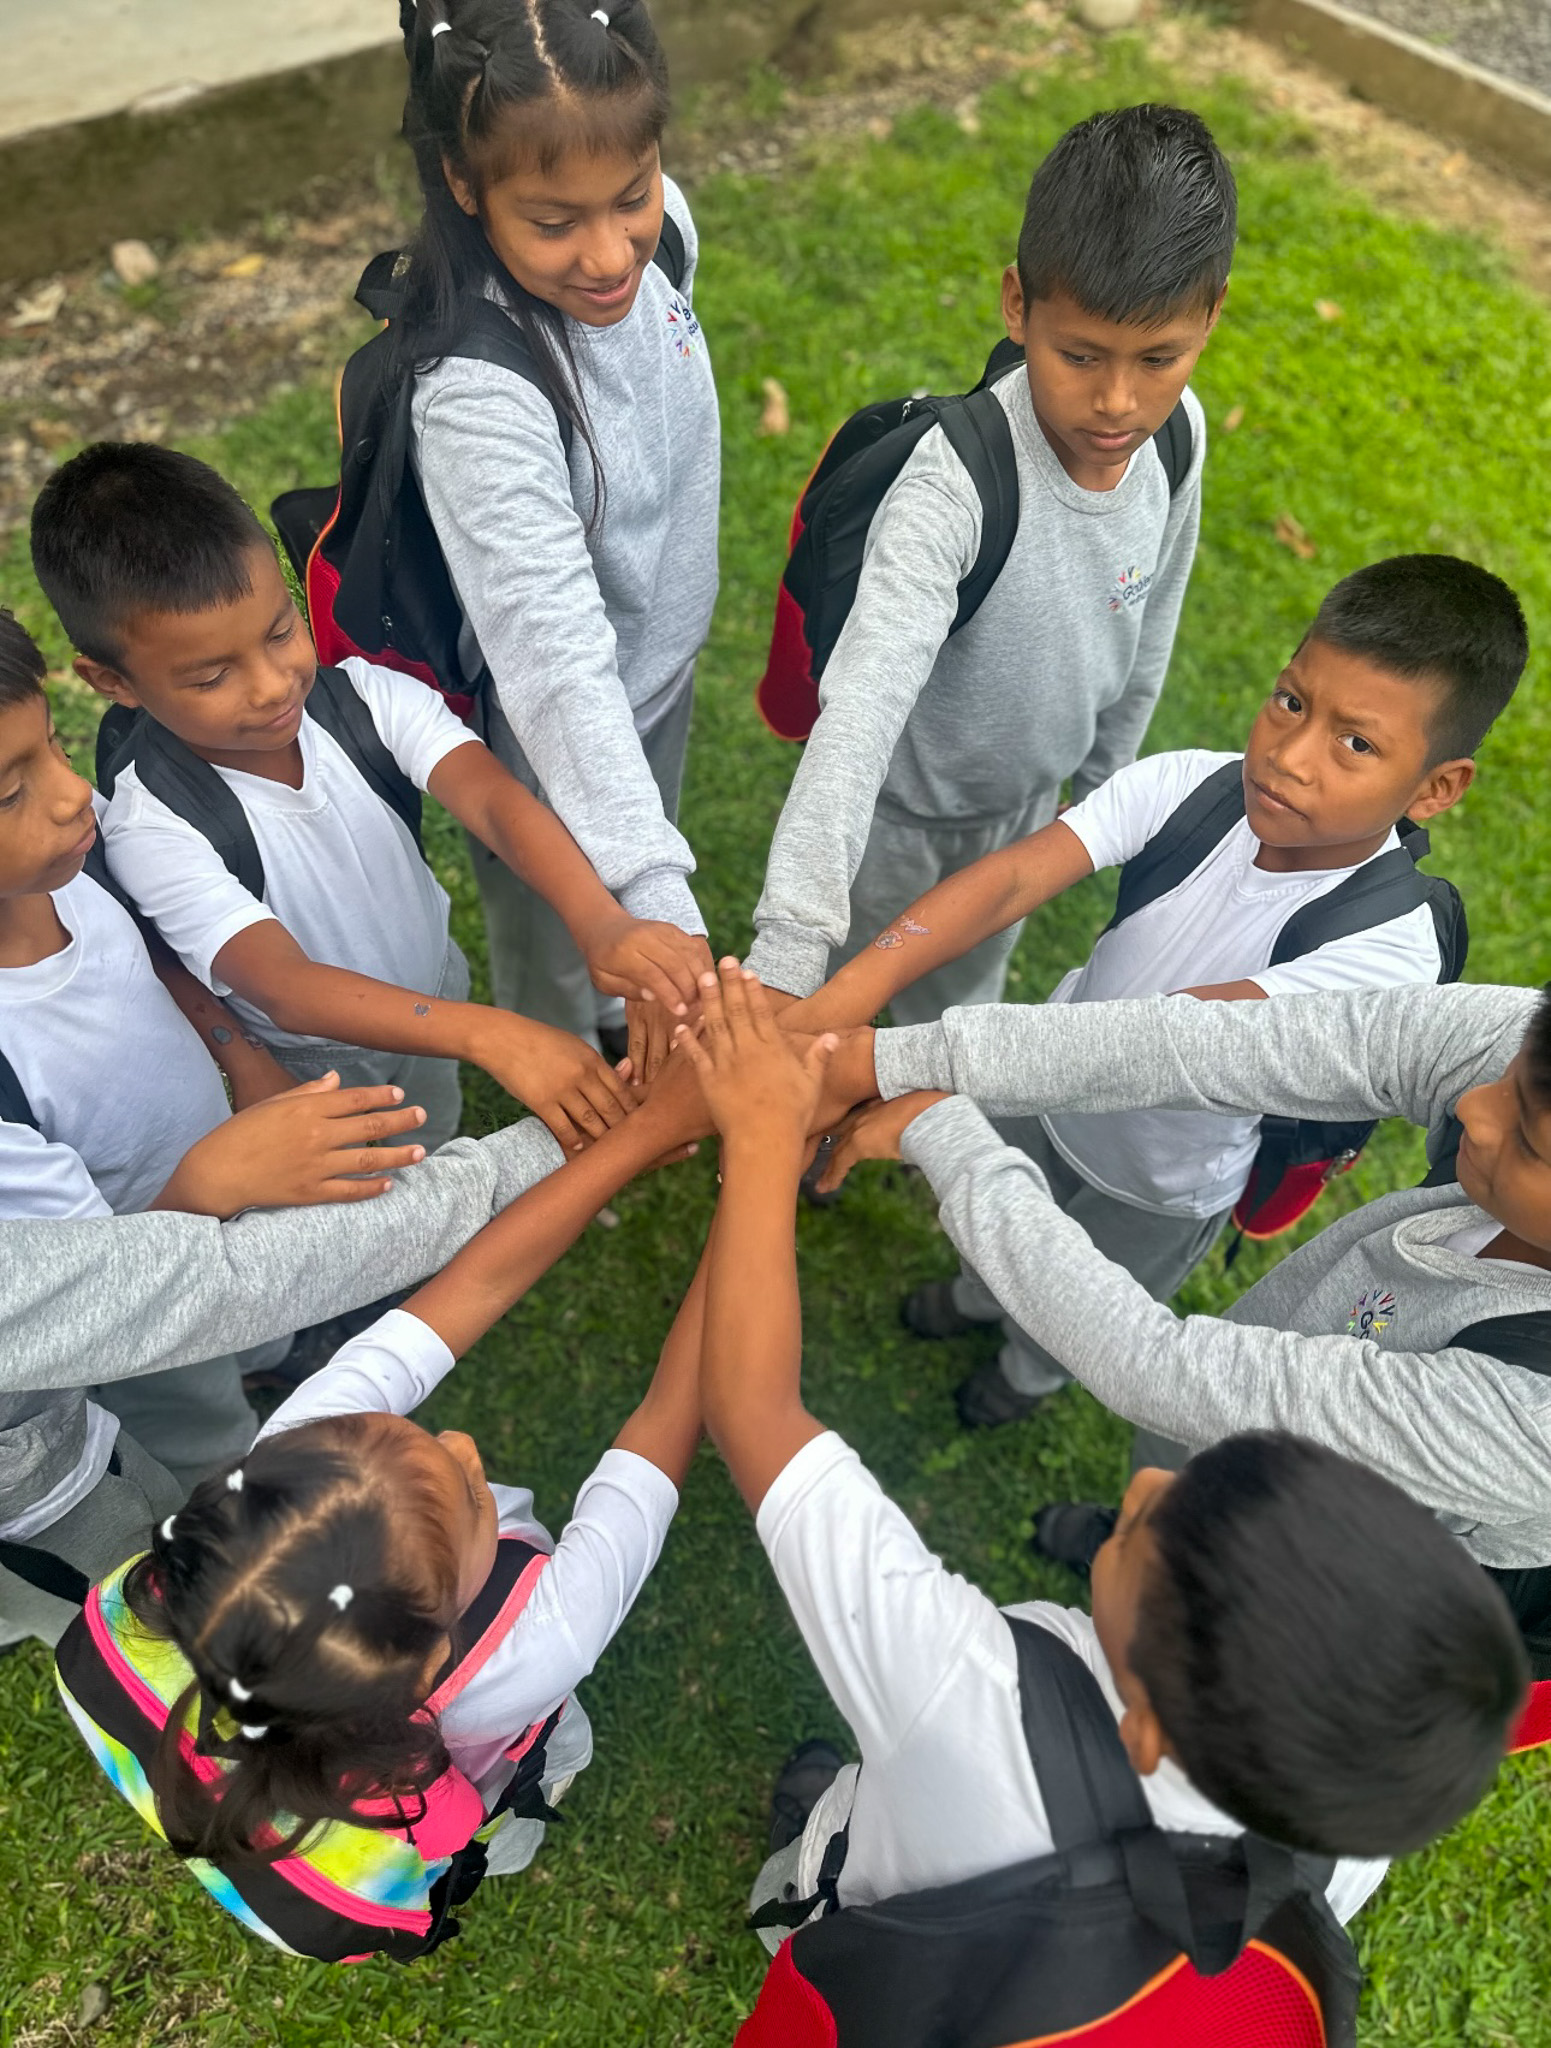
1159 1251
535 968
905 857
430 1084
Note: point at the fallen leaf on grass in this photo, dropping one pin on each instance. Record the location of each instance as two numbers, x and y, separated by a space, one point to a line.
777 415
133 262
1234 419
607 1219
41 308
244 266
1453 165
1291 535
1328 309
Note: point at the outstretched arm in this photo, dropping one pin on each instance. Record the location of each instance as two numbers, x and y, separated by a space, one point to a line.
983 898
763 1096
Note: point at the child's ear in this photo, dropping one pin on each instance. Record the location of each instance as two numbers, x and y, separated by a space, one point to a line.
1143 1736
1014 313
1441 789
1216 312
461 190
107 682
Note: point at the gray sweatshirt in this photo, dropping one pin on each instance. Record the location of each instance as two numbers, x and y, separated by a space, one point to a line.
590 636
1055 676
1465 1434
118 1296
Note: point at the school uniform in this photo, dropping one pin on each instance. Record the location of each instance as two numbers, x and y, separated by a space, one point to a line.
924 1669
1362 1339
342 873
589 616
121 1088
932 751
1153 1188
604 1556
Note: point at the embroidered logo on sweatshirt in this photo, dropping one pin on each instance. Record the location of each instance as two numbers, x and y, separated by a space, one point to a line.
1373 1314
683 326
1131 588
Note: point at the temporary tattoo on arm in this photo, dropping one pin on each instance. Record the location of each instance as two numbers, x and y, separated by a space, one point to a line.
422 1009
256 1044
887 941
898 931
915 931
220 1034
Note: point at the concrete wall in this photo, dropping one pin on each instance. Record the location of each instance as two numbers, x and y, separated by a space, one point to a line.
223 151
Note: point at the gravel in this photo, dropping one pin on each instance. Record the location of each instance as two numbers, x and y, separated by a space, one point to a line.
1510 37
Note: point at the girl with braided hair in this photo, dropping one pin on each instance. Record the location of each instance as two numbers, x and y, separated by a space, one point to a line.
341 1681
577 514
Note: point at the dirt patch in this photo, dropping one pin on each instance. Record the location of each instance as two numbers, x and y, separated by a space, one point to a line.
228 323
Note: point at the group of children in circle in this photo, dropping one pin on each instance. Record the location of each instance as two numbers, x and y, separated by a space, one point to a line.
327 1660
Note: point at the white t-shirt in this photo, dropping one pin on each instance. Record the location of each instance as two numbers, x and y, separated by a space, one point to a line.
115 1074
1219 924
341 870
605 1554
925 1671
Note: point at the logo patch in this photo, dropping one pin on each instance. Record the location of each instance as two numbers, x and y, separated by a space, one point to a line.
1373 1313
683 326
1131 588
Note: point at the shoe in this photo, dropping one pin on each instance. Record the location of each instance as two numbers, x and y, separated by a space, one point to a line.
987 1399
801 1782
1072 1532
930 1312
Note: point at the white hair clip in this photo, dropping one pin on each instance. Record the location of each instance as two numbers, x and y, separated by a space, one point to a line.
342 1596
237 1689
599 15
166 1528
255 1733
440 28
234 1480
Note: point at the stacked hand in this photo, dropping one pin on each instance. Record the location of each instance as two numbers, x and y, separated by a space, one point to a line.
873 1131
559 1077
657 969
761 1084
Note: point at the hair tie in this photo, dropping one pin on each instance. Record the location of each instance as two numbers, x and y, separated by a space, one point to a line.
237 1689
438 28
234 1480
342 1596
165 1531
599 15
255 1733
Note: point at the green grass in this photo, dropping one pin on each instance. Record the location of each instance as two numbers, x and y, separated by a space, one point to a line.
1419 420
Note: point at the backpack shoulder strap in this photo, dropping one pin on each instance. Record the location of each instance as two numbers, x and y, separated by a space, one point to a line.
189 787
489 1616
1513 1340
1090 1791
1371 895
1176 447
15 1108
980 435
672 258
340 709
1182 841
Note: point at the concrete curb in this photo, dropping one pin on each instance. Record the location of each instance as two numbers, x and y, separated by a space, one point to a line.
1504 123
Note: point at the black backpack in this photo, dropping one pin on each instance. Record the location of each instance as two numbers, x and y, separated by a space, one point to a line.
195 792
1123 1937
1296 1157
365 552
838 503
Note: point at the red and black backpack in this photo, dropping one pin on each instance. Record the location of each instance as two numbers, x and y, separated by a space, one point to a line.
829 528
1123 1937
1296 1157
365 552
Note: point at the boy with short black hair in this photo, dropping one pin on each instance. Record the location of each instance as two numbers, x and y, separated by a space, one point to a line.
1288 1644
337 951
936 747
1369 730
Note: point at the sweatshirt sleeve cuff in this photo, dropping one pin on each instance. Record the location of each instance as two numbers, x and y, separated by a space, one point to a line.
911 1056
664 895
788 958
947 1138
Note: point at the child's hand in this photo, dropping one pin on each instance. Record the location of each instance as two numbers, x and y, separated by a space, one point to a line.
559 1077
634 957
874 1132
652 1030
298 1148
756 1082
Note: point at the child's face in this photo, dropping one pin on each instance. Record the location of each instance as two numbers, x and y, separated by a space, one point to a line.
229 682
1338 754
580 236
1121 1575
1101 388
46 821
1504 1160
450 1465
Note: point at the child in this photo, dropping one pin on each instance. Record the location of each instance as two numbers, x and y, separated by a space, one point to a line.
170 589
1373 722
294 1619
110 1103
1255 1620
584 560
1413 1334
932 751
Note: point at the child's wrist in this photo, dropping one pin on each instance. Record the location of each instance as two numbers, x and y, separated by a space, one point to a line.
764 1142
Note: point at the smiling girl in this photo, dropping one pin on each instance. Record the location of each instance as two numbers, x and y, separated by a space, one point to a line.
577 516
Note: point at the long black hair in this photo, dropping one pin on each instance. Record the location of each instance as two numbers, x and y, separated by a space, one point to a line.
309 1588
489 80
